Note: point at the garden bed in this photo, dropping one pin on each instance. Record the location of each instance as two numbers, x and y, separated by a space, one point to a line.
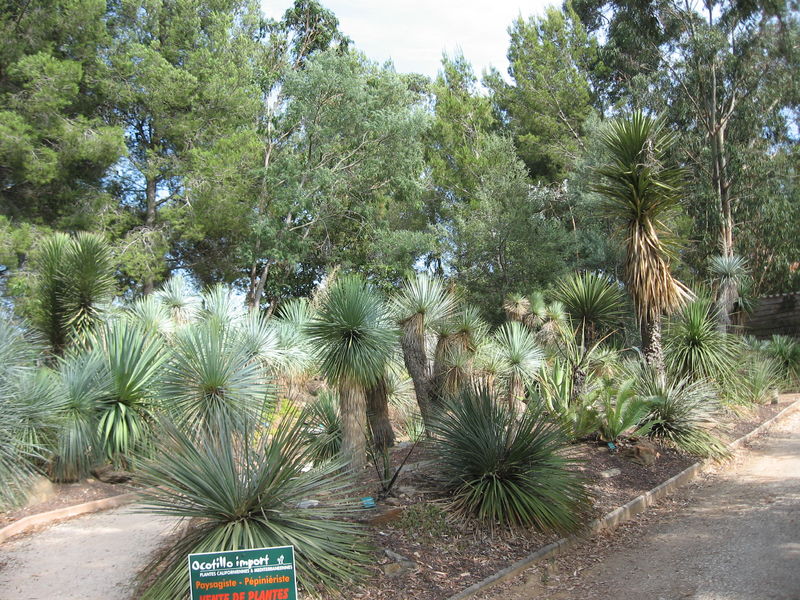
421 552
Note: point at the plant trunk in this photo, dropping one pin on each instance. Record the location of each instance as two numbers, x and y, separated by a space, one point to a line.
149 223
515 396
378 416
353 408
651 344
416 361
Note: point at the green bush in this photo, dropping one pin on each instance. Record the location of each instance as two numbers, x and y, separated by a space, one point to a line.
507 470
242 491
323 427
680 412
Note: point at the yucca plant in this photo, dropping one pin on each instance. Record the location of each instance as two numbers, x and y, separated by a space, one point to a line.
508 469
353 336
84 384
236 493
523 357
639 189
132 360
73 277
180 300
786 351
421 303
213 375
323 427
593 301
681 412
18 457
517 307
695 347
730 275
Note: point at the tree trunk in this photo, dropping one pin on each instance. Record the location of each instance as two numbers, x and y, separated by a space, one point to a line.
378 416
515 395
651 344
416 361
353 408
149 223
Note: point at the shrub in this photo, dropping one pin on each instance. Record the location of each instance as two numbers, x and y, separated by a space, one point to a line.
786 351
694 345
620 412
680 412
239 493
323 427
507 470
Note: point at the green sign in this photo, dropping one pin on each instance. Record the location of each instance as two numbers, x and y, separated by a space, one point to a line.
261 574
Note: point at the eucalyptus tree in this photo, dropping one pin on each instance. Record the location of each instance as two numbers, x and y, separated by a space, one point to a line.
639 189
353 338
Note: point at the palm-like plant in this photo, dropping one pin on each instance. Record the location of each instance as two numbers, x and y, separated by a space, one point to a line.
422 303
506 468
17 455
83 385
132 359
178 297
592 300
73 278
730 275
696 347
517 307
523 357
238 493
786 351
214 375
621 411
323 427
353 337
681 412
639 190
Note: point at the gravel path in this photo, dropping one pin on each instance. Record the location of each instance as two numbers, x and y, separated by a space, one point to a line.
87 558
735 536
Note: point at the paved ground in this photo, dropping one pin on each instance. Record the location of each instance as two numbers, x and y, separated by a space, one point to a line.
734 537
88 558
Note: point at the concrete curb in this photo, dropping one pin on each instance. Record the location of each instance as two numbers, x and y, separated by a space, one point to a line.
617 516
50 517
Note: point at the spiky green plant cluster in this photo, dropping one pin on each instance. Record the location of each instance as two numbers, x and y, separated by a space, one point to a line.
506 469
239 492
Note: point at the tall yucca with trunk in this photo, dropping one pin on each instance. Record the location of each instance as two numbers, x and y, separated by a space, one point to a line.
422 302
353 338
639 190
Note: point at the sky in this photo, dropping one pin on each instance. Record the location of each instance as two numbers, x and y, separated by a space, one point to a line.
414 33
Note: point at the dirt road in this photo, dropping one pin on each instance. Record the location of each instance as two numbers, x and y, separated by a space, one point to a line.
735 536
88 558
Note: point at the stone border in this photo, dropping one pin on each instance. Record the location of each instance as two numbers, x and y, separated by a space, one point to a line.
617 516
59 514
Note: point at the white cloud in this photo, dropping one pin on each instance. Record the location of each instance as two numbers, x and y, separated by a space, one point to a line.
414 33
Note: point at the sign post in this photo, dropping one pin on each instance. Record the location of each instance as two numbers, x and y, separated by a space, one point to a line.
259 574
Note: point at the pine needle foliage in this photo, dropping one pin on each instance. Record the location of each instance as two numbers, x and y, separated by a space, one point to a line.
506 470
